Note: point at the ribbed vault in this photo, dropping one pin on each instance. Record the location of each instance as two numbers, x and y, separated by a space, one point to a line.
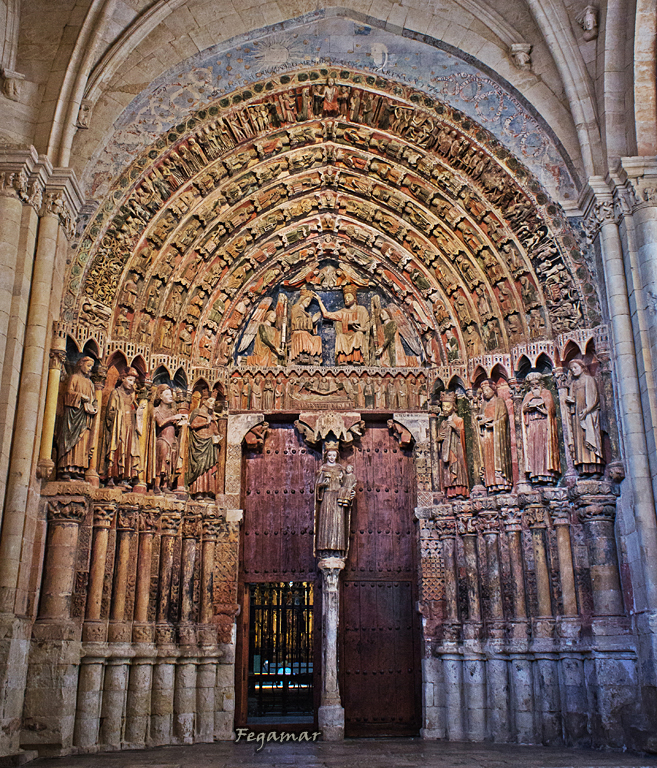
321 178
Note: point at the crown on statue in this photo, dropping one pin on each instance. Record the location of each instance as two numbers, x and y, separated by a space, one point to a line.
448 397
331 445
348 290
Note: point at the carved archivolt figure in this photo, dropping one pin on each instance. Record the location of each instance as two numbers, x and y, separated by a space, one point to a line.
204 439
335 489
451 449
121 457
76 435
163 460
305 346
539 430
495 440
352 325
584 401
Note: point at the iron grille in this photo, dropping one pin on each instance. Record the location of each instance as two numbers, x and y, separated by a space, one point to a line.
280 682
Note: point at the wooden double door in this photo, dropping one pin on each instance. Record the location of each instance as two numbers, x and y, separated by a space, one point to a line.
379 659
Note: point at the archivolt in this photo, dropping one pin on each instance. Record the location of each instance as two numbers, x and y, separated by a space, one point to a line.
400 192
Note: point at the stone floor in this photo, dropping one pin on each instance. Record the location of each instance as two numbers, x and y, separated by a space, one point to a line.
379 753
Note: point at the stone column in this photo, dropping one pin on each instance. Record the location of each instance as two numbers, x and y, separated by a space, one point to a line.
142 629
115 685
89 699
520 669
64 518
330 716
46 464
559 506
169 527
29 406
496 665
91 475
138 705
535 518
185 693
162 702
94 629
119 630
596 505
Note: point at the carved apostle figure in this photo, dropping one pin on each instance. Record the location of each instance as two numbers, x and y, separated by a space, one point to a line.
352 326
75 443
204 439
495 440
163 446
584 401
305 345
539 430
121 457
451 449
335 489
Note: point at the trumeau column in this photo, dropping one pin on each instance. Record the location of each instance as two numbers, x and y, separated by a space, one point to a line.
330 716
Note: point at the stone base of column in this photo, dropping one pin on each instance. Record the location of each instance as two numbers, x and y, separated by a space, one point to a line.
330 720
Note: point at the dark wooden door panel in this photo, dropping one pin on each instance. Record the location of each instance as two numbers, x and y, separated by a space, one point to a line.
379 653
278 509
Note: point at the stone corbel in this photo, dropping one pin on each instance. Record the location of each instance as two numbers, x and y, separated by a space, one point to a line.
401 434
12 83
254 439
521 55
588 21
316 427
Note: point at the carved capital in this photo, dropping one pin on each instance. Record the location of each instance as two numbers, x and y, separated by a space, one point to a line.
103 514
66 511
465 524
170 523
488 522
512 518
556 500
330 568
148 519
535 516
190 527
212 526
57 359
596 508
128 518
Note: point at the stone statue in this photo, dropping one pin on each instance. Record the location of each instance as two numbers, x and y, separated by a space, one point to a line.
584 401
163 459
335 489
121 457
351 329
305 345
495 440
204 439
267 350
451 449
76 434
539 430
